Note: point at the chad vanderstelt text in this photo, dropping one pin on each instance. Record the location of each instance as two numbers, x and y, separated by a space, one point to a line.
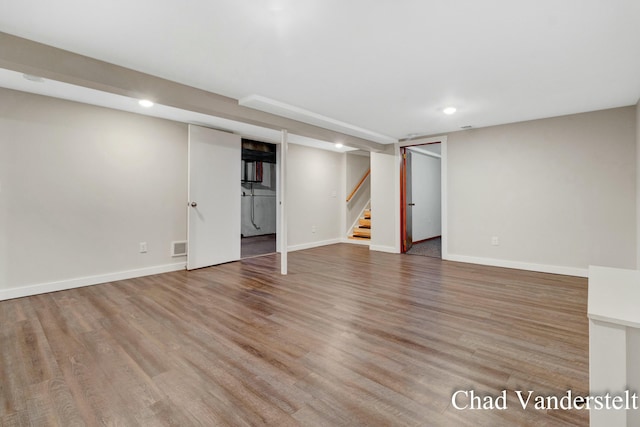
470 400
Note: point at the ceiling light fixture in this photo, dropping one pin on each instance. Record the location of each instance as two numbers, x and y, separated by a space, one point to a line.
449 110
339 145
145 103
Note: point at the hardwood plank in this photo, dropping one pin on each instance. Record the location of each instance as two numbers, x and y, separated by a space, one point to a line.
15 419
164 413
94 399
14 381
350 337
51 403
40 365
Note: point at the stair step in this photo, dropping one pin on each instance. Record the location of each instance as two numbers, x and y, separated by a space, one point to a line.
367 214
362 232
359 238
364 223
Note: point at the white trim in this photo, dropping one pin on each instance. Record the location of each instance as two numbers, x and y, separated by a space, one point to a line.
542 268
444 197
278 194
343 191
284 218
62 285
189 132
613 321
381 248
361 242
311 245
442 139
614 295
397 248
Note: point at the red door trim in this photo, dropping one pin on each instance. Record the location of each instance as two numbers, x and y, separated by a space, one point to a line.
403 199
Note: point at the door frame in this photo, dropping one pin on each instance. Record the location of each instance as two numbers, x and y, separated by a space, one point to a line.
404 244
403 145
225 143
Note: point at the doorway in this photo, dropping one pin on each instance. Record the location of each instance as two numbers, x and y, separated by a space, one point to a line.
258 187
421 200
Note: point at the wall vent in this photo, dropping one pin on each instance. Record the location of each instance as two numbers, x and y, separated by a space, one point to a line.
179 248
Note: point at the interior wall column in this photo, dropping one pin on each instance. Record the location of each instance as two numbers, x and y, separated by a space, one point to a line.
283 202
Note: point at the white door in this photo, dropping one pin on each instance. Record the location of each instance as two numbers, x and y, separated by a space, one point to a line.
214 197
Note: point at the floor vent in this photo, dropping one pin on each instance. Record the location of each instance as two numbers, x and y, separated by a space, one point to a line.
179 248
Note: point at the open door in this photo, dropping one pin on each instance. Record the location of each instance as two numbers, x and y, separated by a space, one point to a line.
423 223
406 202
214 198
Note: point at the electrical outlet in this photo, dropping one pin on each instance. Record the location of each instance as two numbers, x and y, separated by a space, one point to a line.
143 247
495 241
314 228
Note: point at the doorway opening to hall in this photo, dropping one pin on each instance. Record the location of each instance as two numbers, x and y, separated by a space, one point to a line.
421 200
258 186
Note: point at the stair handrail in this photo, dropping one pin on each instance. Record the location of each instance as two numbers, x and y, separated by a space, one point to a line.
358 185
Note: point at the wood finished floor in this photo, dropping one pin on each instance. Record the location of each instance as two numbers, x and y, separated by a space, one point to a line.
350 337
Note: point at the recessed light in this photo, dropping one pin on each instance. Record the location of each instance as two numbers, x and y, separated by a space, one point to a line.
145 103
33 78
449 110
339 145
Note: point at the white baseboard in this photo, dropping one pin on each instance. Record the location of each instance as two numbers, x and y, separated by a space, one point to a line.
355 241
62 285
380 248
311 245
542 268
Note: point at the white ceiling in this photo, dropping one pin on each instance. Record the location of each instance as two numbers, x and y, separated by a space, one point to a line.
385 66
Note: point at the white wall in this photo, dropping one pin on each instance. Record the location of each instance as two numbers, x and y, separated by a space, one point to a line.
638 184
633 370
315 196
559 193
264 201
357 165
633 334
385 201
81 186
426 195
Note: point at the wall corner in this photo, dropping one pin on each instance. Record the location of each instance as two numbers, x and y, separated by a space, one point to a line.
638 185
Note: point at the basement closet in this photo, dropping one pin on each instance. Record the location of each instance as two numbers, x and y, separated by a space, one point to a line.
258 202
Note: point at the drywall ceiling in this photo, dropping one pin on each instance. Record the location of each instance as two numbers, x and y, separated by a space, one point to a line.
389 67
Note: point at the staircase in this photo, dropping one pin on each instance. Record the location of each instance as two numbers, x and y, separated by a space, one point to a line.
362 231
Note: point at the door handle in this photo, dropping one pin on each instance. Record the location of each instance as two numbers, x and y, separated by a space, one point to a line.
412 204
194 204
